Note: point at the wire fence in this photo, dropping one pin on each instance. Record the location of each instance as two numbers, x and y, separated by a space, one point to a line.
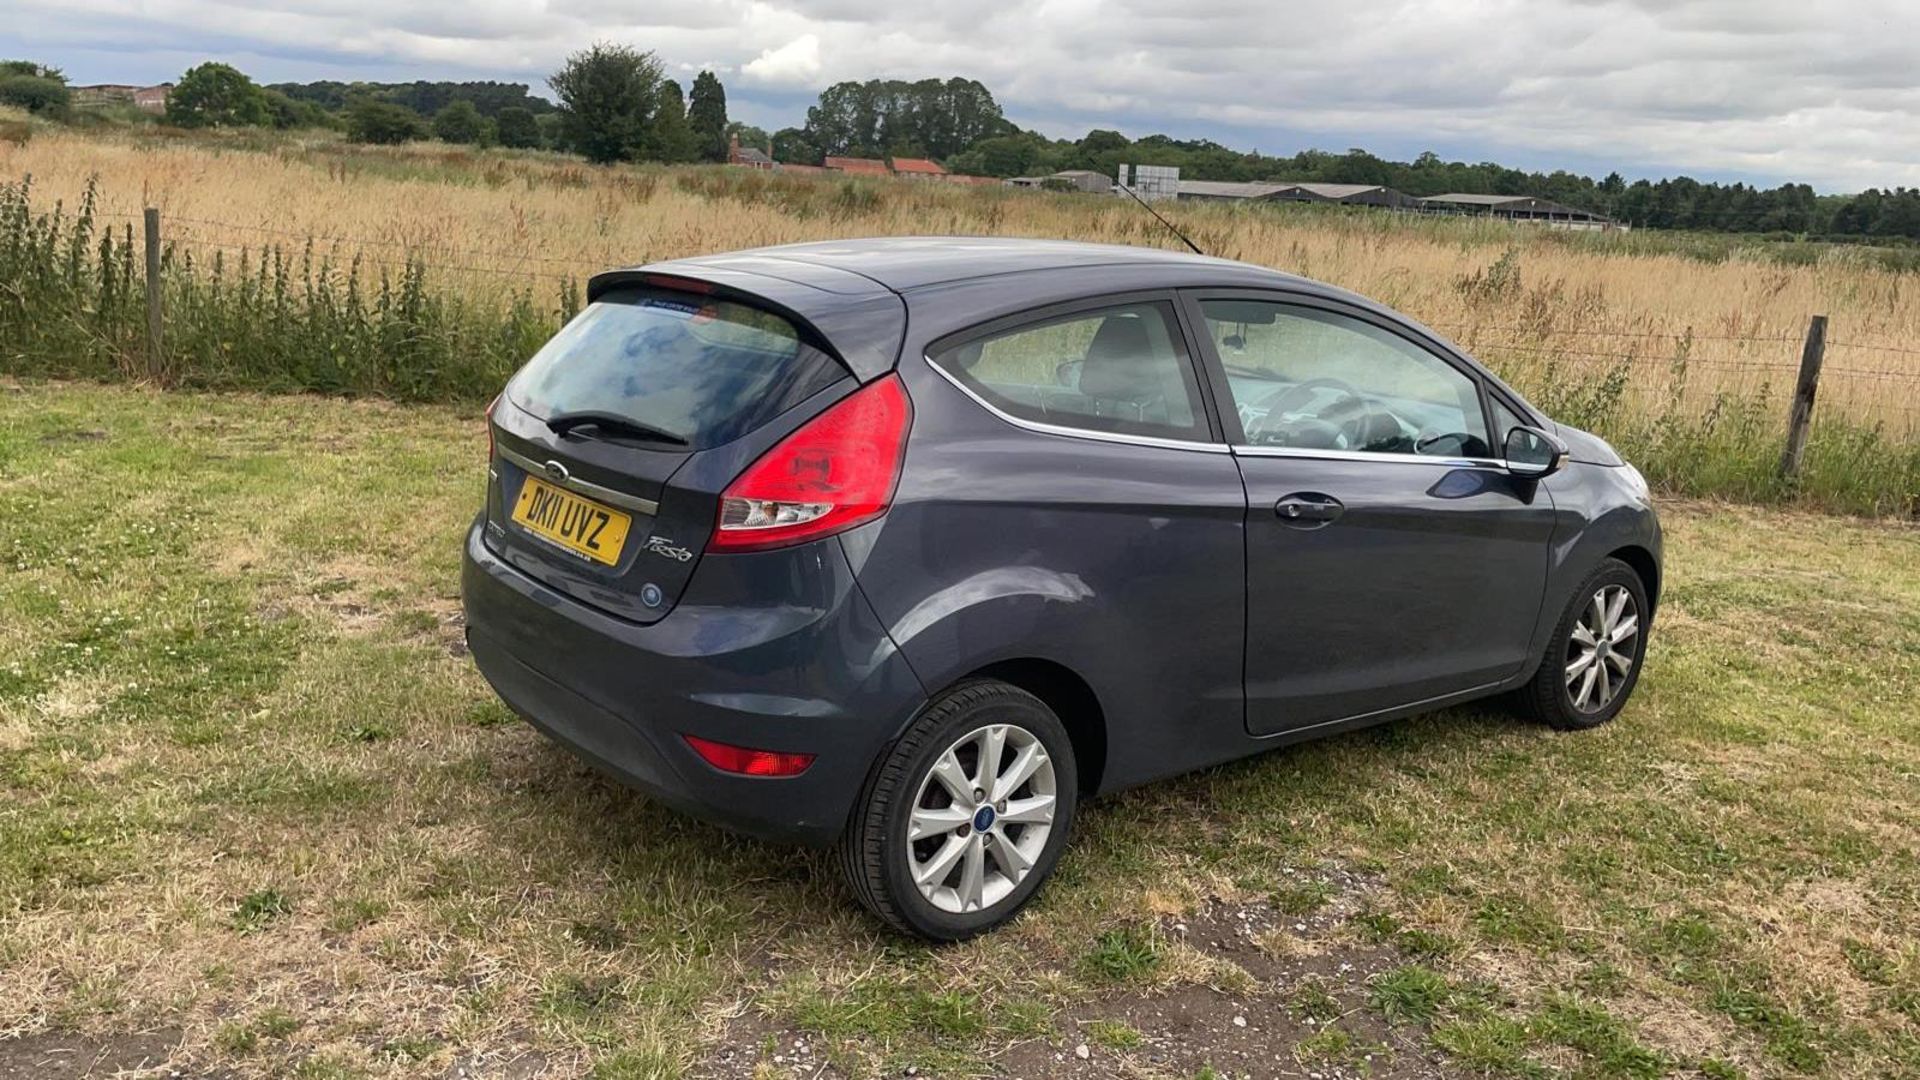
421 253
339 253
376 261
430 255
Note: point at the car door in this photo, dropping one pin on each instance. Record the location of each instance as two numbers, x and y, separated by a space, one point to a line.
1391 559
1068 497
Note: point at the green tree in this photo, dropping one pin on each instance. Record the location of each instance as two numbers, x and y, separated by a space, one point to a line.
669 138
284 112
1005 155
887 116
217 95
747 134
707 117
373 121
607 96
459 122
516 128
792 145
34 93
33 68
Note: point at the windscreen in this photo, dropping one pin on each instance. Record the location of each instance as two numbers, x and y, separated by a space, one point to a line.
697 368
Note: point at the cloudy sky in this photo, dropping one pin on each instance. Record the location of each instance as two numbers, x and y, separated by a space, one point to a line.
1822 91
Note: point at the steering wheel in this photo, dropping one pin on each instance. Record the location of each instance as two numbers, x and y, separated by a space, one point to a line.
1316 431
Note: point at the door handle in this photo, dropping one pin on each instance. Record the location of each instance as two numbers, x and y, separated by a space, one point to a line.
1308 509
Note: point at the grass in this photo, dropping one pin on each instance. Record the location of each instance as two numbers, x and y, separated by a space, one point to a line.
430 272
1409 993
250 789
1128 954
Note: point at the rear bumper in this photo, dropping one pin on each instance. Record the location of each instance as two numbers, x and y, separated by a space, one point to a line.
741 659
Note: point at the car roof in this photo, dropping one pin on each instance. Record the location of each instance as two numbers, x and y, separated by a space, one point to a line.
906 263
857 293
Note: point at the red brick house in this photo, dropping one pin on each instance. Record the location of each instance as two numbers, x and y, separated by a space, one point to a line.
854 166
918 169
749 157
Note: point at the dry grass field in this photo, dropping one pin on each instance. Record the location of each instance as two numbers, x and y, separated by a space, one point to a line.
1554 311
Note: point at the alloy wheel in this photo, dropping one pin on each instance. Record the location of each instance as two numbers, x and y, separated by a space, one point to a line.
1601 648
981 818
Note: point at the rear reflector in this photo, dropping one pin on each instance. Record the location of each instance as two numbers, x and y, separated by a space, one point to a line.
741 760
837 471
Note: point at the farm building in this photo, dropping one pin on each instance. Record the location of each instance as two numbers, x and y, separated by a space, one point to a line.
747 157
1268 191
1097 183
1518 208
854 166
1087 180
907 168
103 93
148 98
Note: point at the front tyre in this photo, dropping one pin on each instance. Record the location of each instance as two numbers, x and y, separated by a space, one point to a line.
1593 660
965 816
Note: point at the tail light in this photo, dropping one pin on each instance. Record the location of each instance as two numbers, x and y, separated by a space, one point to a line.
746 762
837 471
491 405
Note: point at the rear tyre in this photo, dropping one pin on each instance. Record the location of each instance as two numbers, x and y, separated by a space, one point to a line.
963 818
1593 659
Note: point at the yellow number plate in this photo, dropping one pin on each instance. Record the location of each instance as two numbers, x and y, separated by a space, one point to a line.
579 525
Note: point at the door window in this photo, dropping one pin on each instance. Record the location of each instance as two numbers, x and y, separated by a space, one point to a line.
1120 369
1504 421
1311 379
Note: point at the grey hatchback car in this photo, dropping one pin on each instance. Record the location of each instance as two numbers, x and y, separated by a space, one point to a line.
910 545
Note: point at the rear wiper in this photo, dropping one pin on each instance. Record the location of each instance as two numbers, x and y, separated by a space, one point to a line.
612 424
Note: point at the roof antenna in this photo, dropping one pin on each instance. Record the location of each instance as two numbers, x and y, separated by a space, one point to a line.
1149 209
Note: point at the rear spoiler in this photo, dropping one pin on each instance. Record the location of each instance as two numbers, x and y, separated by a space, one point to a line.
862 326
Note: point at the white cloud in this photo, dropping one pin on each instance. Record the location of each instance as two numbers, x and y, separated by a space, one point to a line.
797 63
1781 88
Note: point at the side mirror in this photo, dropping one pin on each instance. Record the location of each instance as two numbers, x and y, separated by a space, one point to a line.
1068 374
1534 454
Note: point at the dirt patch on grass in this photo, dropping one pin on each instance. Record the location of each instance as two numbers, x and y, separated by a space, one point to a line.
757 1046
74 435
57 1055
526 1065
1304 1010
1198 1027
1270 986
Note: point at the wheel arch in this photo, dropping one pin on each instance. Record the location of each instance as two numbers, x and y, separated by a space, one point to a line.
1645 565
1070 697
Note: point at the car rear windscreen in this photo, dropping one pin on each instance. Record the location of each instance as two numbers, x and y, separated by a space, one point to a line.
701 369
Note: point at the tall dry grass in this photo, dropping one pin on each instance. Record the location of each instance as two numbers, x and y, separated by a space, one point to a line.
1669 348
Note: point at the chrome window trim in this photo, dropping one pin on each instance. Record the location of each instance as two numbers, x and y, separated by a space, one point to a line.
1075 432
584 487
1364 455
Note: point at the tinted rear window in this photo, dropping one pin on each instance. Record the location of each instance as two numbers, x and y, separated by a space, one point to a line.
703 369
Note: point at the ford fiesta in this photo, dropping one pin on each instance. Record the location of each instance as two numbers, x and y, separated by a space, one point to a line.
911 545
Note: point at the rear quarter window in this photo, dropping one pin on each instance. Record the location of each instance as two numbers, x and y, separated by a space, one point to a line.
1119 370
702 369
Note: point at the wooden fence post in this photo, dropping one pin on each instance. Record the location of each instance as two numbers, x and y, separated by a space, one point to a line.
154 293
1802 415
